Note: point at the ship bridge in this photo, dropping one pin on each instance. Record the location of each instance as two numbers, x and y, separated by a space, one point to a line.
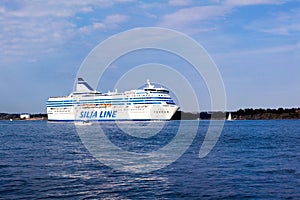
152 89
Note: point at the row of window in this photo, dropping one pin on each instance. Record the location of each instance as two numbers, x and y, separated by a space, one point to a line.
115 99
110 103
161 111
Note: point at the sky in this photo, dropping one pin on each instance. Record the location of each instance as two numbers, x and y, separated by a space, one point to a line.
254 43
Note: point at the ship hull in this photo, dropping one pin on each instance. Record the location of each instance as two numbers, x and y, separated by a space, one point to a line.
115 113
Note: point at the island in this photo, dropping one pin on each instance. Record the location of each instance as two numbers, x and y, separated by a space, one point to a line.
241 114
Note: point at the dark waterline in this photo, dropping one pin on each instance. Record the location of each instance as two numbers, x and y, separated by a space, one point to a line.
252 160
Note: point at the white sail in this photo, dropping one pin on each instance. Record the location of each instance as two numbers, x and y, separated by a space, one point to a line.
229 117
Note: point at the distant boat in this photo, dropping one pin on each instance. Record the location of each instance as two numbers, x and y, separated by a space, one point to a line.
83 123
229 117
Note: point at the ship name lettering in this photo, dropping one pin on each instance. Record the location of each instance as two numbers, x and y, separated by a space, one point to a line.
88 114
108 114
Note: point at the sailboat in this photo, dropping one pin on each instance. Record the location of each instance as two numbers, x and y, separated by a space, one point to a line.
82 123
229 117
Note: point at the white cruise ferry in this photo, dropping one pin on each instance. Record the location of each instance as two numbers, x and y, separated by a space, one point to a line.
86 104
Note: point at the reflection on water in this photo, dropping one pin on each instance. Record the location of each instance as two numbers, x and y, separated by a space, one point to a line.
141 129
115 148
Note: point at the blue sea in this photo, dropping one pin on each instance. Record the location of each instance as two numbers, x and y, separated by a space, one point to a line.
251 160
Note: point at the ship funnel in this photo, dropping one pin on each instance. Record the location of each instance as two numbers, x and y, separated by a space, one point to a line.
83 86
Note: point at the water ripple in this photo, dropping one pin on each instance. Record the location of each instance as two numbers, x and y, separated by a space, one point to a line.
252 160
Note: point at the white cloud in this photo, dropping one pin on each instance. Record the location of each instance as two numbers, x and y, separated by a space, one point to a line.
186 18
28 27
252 2
90 28
96 3
2 10
262 51
179 2
152 5
281 23
199 13
31 36
115 19
87 9
110 22
282 30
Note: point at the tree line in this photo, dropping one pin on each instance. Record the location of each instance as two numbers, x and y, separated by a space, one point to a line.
8 116
248 113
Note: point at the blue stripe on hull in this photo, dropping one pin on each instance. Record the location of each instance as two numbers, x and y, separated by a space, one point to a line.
109 120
